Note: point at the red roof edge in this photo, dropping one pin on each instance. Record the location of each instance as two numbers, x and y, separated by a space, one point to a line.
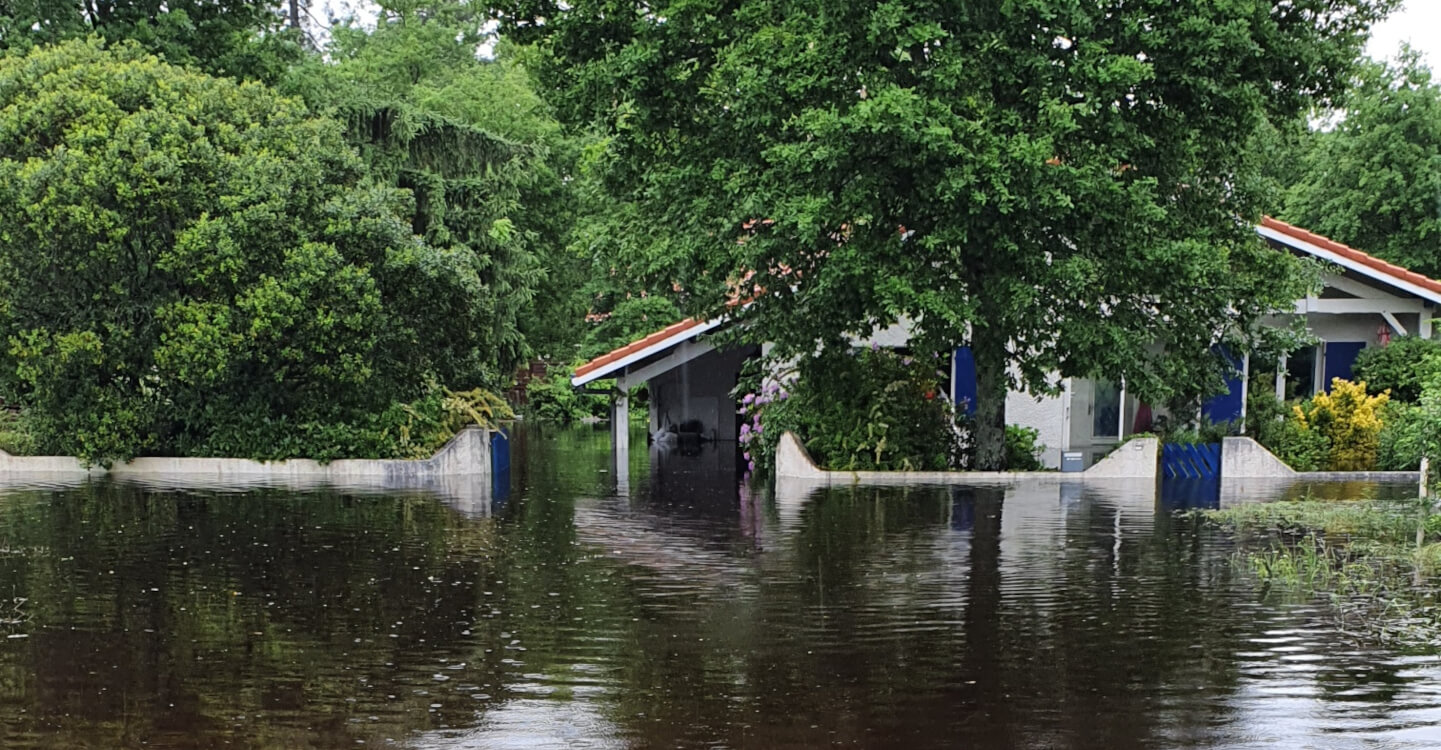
1351 253
637 345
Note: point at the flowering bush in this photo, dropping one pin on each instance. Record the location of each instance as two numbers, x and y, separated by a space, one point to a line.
858 409
1350 420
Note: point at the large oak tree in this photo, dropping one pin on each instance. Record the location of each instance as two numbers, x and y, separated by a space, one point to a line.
1062 185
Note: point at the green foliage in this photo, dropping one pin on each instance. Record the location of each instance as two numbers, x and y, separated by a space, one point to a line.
15 436
1055 184
1273 424
237 38
1401 367
629 320
1374 180
1402 439
855 409
552 399
1350 420
487 163
1188 433
1344 430
1369 555
190 265
1023 449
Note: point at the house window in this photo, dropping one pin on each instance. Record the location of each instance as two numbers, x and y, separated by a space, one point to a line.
1301 373
1106 410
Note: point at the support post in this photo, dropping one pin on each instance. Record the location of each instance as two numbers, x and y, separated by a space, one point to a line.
1424 328
1121 422
1245 387
1066 393
620 438
1281 379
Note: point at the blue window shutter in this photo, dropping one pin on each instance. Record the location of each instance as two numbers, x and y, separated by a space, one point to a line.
963 381
1340 356
1225 407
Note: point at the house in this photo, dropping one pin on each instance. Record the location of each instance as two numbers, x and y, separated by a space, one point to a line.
1364 302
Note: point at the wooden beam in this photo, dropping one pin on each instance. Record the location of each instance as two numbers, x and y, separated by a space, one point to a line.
1360 289
1394 323
681 354
1359 306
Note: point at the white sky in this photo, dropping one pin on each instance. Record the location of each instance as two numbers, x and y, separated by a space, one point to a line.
1418 22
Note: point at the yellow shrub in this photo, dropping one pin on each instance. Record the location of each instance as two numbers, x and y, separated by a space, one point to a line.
1351 422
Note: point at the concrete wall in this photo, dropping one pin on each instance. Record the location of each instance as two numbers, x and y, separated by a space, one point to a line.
1242 458
1045 414
1135 460
700 390
466 455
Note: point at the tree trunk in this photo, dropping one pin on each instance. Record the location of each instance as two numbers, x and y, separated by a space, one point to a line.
294 14
991 388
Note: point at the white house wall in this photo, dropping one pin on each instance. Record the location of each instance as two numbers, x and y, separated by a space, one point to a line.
1044 414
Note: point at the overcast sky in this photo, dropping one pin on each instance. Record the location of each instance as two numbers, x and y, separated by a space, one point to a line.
1418 22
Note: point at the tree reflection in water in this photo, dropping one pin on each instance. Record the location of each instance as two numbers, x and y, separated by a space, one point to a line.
684 612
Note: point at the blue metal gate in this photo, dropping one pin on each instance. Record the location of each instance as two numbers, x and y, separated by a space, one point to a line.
1200 461
499 466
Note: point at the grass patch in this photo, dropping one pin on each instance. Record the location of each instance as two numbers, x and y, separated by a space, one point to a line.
1365 555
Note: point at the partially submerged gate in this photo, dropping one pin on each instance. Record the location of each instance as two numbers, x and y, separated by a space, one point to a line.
1191 461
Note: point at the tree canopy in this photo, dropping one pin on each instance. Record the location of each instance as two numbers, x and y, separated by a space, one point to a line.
235 38
481 151
1374 180
194 266
1063 186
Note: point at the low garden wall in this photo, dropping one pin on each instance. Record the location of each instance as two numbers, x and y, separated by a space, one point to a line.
1136 459
465 455
1244 458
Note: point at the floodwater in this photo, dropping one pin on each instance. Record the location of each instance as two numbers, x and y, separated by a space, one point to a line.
679 611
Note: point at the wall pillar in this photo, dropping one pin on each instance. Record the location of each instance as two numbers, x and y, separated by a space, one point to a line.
620 438
1424 329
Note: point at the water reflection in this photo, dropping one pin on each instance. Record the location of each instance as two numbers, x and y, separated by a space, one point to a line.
686 611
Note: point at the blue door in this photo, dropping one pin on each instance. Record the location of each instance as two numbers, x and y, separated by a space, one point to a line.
963 381
1340 356
1225 407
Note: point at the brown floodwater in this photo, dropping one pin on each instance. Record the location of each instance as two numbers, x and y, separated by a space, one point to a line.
677 609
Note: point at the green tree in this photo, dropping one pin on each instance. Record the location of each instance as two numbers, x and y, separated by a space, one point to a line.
486 159
190 265
1057 184
1374 181
237 38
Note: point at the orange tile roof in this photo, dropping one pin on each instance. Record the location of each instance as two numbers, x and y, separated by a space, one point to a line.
637 345
1351 253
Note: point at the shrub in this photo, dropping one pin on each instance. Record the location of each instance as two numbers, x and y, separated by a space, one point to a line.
1300 448
1400 367
1350 421
1023 451
1276 427
854 409
1402 439
192 265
